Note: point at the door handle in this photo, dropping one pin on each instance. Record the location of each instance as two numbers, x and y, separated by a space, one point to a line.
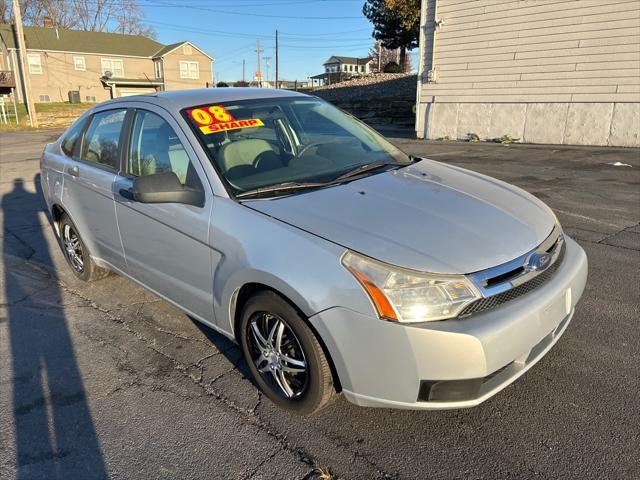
73 171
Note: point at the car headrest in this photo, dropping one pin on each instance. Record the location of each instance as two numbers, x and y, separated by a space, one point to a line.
243 152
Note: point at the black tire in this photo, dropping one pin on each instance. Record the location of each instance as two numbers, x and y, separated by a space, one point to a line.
318 389
88 271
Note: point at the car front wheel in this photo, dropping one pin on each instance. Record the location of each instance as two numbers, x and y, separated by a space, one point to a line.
284 355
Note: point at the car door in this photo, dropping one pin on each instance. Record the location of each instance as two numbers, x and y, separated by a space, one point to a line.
166 244
88 184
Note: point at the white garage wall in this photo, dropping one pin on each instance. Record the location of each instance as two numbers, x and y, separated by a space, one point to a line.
545 71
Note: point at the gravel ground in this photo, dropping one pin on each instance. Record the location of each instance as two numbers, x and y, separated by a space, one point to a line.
107 381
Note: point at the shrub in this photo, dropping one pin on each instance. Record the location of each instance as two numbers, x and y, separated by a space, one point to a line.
392 67
222 84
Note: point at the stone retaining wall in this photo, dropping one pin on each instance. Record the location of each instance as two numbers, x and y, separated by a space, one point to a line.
379 99
381 111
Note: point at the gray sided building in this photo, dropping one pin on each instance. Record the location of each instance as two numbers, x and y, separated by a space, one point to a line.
543 71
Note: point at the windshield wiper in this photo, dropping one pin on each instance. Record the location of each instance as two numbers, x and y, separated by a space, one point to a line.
363 169
280 187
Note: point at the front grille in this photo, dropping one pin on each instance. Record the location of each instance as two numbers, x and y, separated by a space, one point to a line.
504 297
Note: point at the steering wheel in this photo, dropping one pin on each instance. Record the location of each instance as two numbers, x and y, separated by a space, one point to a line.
94 153
307 147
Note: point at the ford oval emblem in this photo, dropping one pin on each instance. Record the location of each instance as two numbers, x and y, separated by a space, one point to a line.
539 261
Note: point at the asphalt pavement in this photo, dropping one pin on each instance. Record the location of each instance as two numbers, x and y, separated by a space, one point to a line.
105 380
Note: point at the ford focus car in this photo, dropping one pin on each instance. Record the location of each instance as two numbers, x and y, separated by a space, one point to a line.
338 263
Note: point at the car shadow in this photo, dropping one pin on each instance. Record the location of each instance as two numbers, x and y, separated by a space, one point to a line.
55 437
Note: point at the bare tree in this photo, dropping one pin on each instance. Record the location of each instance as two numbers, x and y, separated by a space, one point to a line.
388 55
4 12
35 12
122 16
131 20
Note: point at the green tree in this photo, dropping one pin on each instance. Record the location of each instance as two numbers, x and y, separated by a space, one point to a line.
409 10
396 23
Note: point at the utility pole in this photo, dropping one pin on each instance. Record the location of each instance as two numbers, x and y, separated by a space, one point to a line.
259 73
379 57
266 66
26 81
277 62
243 70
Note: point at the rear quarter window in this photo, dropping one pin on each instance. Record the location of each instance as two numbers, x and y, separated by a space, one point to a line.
70 138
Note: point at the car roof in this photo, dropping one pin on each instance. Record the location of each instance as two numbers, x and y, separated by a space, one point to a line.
179 99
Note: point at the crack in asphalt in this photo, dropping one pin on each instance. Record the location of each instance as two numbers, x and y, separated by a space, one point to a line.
257 468
608 236
249 415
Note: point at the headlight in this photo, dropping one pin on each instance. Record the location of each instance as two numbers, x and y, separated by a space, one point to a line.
407 296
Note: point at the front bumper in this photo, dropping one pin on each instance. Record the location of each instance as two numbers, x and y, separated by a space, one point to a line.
384 364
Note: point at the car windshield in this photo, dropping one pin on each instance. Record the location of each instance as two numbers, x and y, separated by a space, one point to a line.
258 145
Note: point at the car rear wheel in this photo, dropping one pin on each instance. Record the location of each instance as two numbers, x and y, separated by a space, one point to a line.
77 254
284 355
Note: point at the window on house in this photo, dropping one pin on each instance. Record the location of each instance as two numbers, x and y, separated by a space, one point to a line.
344 67
190 70
158 68
90 99
79 63
113 65
44 98
35 63
362 68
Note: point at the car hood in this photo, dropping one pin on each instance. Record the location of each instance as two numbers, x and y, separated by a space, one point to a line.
427 216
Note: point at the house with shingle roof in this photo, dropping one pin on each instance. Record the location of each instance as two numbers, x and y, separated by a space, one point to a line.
348 65
339 68
98 65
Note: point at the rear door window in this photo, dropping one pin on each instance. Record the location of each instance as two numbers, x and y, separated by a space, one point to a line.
102 138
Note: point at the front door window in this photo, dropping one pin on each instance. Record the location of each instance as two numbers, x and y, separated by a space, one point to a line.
156 148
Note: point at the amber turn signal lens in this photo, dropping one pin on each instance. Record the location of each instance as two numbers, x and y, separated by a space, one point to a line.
384 308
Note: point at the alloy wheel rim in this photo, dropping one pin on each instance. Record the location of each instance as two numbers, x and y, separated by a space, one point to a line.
73 248
277 354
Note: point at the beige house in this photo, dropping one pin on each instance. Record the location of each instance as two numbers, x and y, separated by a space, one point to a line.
349 65
98 65
543 71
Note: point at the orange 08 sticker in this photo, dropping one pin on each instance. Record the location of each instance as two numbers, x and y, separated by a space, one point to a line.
216 118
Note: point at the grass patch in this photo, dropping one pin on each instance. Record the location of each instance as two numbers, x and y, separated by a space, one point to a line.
50 115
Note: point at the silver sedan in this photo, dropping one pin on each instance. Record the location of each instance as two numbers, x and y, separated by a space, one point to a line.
338 263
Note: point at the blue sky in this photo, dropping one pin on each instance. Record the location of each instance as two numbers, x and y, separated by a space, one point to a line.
310 32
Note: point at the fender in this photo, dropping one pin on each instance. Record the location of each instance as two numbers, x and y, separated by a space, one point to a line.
256 248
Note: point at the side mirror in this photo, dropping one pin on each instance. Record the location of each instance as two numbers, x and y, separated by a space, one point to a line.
166 188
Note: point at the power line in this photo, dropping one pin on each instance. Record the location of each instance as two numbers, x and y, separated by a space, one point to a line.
251 14
219 33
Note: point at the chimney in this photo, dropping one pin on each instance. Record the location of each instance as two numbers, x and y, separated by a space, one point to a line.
48 22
